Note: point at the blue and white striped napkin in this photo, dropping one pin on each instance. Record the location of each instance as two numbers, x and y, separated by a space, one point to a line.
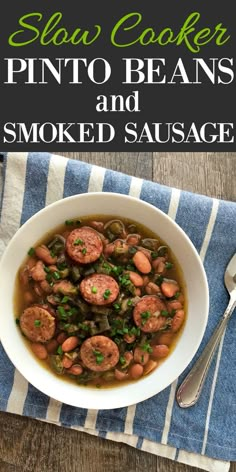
204 435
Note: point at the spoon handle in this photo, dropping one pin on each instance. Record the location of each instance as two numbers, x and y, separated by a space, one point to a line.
190 389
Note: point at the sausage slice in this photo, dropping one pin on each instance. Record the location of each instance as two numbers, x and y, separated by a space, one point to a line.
37 324
147 314
99 289
99 353
84 245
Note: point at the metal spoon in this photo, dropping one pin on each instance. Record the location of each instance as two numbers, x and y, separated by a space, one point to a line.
190 389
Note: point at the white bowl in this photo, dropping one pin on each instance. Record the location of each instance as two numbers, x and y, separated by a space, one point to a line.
196 289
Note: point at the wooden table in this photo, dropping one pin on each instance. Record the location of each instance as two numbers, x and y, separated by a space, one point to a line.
28 445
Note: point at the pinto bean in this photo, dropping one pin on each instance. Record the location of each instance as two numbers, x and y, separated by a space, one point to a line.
75 369
165 338
39 350
98 225
160 351
136 371
31 262
137 292
133 239
145 280
177 321
146 252
152 289
119 375
128 357
66 362
140 356
174 305
53 268
169 288
24 276
43 253
38 290
142 263
45 286
181 298
70 343
109 249
150 366
136 279
28 298
37 272
159 265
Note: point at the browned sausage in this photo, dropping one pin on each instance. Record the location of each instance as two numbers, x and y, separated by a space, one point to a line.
147 315
99 289
84 245
37 324
99 353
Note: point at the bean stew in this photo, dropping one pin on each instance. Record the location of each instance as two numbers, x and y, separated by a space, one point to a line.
100 301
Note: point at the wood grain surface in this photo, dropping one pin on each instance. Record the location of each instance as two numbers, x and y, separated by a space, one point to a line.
28 445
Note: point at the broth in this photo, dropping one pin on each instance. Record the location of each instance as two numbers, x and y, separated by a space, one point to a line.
91 310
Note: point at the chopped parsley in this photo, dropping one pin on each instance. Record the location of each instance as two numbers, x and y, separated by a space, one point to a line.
69 222
94 289
56 275
164 313
106 294
117 306
146 348
176 296
62 313
84 251
129 303
65 299
132 250
145 315
159 280
59 350
31 251
17 321
154 255
169 265
78 242
122 360
99 357
83 326
37 323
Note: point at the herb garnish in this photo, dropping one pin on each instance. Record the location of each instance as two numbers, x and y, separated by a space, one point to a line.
146 348
31 251
37 323
106 294
99 357
78 242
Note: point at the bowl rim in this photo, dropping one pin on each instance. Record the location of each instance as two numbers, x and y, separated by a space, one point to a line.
121 401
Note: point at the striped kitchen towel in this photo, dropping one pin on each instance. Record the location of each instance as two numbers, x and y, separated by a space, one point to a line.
203 435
